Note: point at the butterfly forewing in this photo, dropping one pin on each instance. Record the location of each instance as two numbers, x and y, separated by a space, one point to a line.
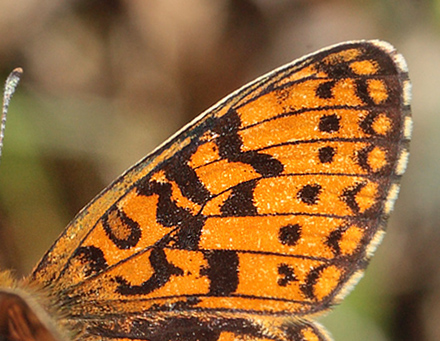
254 217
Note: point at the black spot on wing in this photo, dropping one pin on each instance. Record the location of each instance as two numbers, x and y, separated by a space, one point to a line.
325 90
287 275
92 258
309 194
290 234
326 154
187 236
329 123
222 272
264 164
337 69
229 142
240 202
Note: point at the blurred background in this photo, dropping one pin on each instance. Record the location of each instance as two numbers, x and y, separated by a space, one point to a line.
106 81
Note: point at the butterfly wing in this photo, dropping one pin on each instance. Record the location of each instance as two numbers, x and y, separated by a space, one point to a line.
253 218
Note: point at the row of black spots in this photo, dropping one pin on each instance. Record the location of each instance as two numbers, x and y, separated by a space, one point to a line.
290 234
163 271
169 214
287 276
331 124
92 258
336 72
124 232
310 195
268 166
230 145
240 202
222 272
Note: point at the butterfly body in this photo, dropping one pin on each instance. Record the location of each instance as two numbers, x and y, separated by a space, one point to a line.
256 217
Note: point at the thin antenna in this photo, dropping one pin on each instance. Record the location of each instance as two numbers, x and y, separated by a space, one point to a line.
10 86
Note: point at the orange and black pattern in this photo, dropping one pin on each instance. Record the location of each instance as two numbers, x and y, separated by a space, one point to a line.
257 216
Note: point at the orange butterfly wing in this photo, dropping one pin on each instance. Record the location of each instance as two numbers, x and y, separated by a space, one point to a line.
259 214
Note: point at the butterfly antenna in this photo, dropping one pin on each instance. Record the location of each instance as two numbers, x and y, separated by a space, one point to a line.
10 86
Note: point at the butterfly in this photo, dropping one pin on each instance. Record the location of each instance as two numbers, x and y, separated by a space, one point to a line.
254 218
